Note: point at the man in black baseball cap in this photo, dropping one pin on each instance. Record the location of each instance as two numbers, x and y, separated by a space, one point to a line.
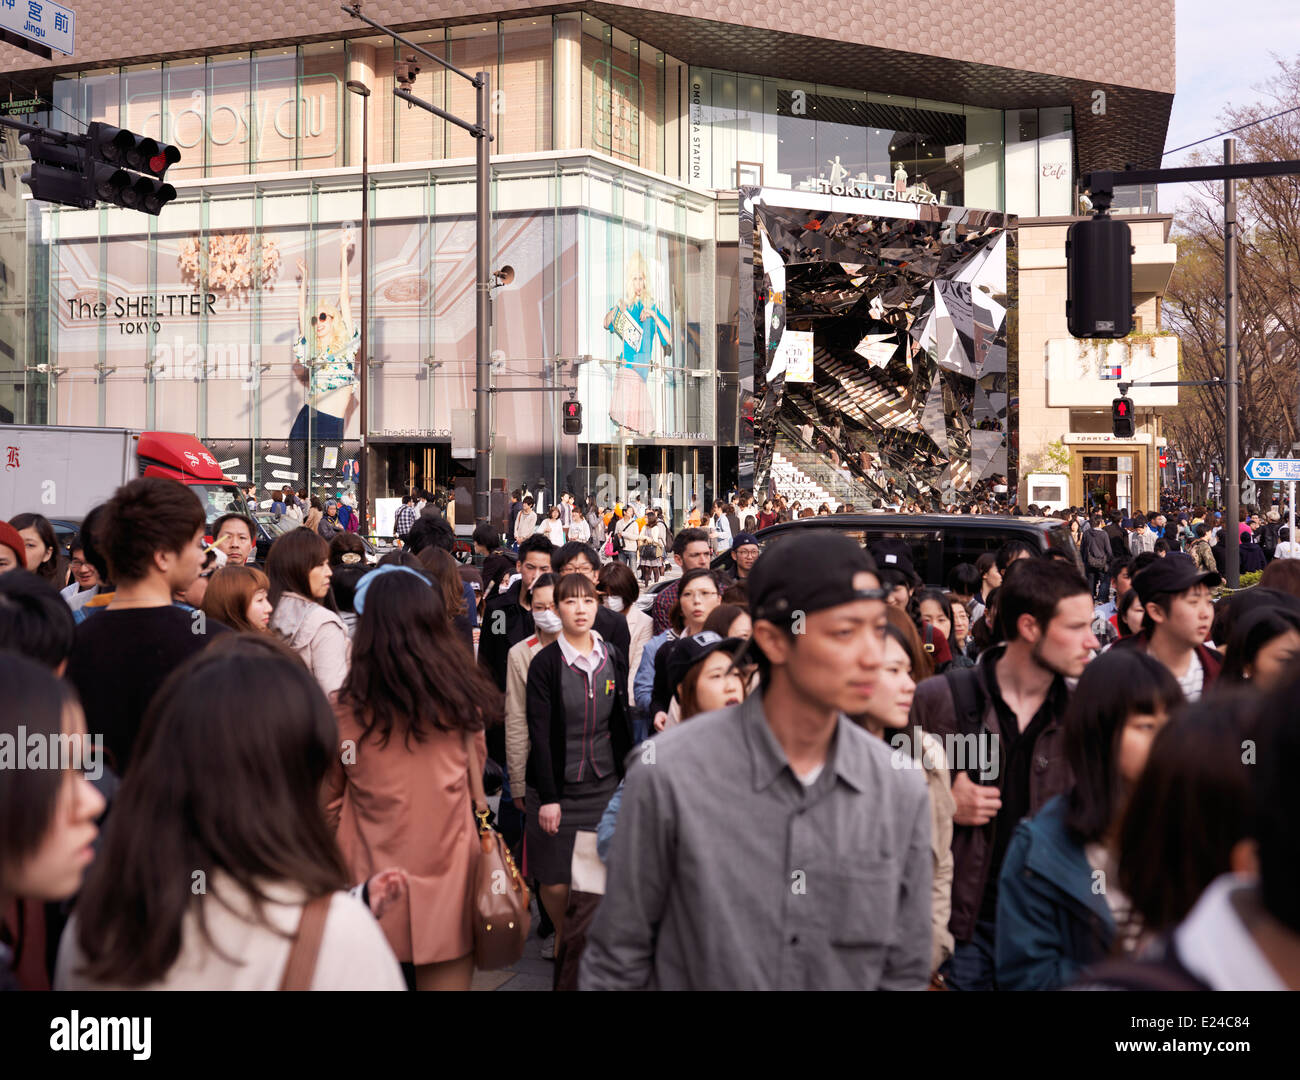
721 818
1177 613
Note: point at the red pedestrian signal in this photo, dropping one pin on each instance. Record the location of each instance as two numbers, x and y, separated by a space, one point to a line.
1122 423
573 418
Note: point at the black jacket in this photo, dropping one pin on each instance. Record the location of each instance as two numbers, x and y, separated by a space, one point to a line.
494 648
1097 550
547 723
1118 541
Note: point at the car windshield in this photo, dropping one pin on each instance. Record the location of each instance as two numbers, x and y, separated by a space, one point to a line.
274 524
217 499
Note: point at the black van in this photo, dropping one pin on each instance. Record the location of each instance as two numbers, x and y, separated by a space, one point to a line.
938 541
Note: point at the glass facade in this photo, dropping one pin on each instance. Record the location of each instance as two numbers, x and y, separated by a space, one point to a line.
236 315
748 129
611 164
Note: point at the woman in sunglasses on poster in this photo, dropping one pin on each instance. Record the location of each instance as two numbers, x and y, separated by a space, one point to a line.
336 340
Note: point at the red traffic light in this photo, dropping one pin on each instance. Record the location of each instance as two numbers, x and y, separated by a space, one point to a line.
1121 408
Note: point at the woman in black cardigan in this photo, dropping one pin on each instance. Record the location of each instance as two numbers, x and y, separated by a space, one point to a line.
579 733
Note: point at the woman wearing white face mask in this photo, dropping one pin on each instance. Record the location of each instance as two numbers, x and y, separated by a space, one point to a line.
619 591
540 600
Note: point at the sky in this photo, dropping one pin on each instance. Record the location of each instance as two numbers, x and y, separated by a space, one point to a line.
1224 51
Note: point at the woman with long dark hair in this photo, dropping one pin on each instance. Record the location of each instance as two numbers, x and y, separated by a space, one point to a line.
44 559
413 708
443 569
299 572
1262 649
903 664
216 854
47 815
1051 920
1191 814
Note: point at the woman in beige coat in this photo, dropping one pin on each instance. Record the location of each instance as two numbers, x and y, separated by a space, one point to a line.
298 569
888 717
398 790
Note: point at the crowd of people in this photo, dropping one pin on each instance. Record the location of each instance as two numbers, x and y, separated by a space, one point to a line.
798 766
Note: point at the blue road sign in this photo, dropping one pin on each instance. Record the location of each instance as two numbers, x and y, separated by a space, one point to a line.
1285 469
42 21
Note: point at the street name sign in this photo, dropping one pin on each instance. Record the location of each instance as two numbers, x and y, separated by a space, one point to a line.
1286 469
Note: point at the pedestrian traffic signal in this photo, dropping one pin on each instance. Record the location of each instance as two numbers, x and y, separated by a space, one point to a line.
58 172
106 163
1099 278
127 169
1121 418
573 418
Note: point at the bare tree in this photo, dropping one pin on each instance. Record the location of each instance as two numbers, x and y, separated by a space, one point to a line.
1268 272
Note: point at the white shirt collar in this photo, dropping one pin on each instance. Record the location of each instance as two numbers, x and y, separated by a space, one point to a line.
576 659
1216 947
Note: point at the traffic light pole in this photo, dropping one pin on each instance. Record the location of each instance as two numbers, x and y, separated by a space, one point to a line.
1231 457
1101 183
480 129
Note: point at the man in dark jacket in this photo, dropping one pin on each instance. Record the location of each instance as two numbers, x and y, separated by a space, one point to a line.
1118 538
1179 611
1097 555
1002 723
506 621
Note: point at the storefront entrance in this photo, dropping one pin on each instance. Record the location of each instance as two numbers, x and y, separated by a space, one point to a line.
671 478
1109 481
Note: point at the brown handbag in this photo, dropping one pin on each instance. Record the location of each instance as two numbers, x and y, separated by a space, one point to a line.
498 895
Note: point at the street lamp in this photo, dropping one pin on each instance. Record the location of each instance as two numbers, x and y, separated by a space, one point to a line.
363 92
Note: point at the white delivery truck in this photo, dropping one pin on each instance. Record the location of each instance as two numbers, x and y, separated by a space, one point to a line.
62 472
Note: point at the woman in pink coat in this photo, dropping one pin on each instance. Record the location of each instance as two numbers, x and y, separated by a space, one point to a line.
398 791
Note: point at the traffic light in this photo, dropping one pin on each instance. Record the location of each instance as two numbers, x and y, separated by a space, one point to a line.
106 163
573 418
58 172
127 169
1121 418
1099 278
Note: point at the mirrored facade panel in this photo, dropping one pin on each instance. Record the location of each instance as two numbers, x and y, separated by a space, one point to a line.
879 346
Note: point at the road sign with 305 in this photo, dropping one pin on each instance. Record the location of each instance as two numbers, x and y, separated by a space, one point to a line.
1287 469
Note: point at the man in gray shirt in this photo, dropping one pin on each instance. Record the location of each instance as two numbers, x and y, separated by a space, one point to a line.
773 844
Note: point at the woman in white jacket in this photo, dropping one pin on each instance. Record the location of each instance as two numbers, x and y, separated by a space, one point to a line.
299 571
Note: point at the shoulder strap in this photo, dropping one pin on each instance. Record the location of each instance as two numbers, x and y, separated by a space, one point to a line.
300 968
475 770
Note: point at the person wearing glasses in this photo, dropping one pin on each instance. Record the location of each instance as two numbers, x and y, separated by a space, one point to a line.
335 342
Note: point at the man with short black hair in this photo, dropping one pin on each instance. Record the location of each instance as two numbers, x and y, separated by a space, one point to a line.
151 534
35 621
506 620
404 518
234 535
1010 709
691 551
1178 611
1096 556
576 557
486 539
755 879
744 553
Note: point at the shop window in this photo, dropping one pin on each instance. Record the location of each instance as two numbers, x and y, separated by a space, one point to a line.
228 114
522 117
275 111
